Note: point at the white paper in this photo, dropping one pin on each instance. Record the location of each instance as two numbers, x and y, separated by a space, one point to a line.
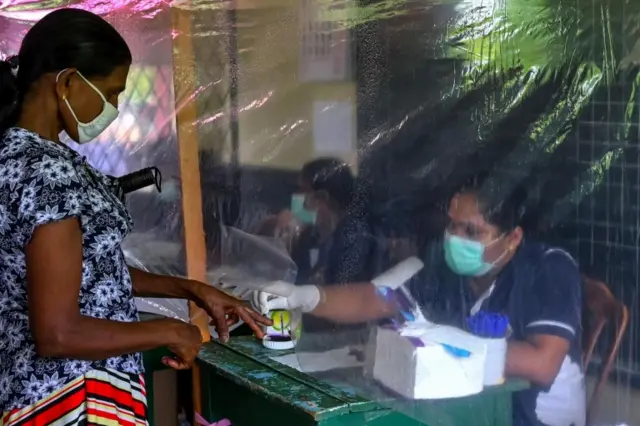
428 372
443 334
310 362
333 127
325 52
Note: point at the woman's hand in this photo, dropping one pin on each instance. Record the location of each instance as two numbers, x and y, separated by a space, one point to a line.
187 341
225 310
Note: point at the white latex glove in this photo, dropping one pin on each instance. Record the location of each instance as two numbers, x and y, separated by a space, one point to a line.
287 296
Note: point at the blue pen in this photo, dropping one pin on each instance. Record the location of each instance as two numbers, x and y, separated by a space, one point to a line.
457 352
499 326
495 324
505 326
486 324
477 322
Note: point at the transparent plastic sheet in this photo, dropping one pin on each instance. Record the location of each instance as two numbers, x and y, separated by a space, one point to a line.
248 263
416 96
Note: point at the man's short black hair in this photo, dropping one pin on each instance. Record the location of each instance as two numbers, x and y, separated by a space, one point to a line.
333 176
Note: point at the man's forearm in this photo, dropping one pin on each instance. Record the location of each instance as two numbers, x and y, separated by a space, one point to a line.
146 284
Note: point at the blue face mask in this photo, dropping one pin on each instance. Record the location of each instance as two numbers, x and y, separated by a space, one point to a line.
307 217
466 257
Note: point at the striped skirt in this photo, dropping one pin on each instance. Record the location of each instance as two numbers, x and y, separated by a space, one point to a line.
100 397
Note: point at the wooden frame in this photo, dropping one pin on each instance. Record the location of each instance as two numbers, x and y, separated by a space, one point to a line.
185 83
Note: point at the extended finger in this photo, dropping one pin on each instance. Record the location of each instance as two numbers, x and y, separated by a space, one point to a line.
220 323
251 322
259 318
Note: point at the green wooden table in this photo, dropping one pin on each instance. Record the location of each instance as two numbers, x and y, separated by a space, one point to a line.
240 382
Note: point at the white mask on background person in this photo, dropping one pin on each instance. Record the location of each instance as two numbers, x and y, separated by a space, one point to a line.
91 130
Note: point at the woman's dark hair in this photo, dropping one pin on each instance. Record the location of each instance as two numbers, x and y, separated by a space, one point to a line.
501 204
65 38
331 175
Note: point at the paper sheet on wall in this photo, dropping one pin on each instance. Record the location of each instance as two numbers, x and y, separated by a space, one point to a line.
320 361
333 127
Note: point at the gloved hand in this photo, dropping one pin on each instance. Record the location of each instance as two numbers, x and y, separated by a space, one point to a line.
287 296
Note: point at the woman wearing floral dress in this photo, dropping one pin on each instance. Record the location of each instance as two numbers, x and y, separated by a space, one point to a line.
70 339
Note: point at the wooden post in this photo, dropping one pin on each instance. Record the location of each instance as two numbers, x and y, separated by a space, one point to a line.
185 84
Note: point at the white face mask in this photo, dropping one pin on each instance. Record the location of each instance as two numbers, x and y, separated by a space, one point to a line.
91 130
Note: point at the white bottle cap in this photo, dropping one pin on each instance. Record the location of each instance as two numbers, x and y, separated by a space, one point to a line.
276 345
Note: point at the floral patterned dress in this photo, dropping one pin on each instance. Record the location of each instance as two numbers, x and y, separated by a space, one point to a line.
42 182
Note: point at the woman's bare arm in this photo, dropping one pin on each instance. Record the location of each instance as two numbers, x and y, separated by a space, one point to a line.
353 303
54 273
362 302
346 303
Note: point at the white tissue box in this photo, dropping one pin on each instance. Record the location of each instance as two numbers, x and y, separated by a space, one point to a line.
413 362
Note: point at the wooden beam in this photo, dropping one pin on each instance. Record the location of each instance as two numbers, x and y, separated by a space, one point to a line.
186 84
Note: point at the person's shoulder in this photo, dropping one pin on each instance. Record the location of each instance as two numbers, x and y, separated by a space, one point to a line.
28 160
553 264
28 147
539 254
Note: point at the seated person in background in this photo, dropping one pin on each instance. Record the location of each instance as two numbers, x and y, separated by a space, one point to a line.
334 244
326 228
489 266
